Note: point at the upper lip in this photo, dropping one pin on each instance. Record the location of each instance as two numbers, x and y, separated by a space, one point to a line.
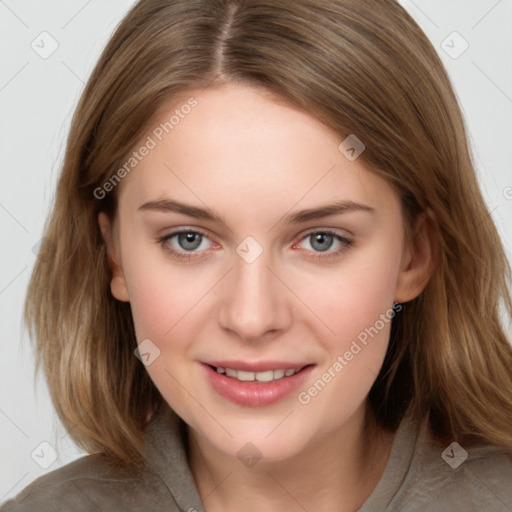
260 366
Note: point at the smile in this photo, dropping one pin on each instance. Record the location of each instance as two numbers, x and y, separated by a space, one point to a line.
255 384
266 376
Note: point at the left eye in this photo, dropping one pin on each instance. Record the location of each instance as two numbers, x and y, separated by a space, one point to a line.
322 241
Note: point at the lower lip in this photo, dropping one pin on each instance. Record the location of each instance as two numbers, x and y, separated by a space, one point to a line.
255 394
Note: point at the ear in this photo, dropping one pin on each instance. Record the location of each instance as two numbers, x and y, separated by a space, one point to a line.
118 283
418 259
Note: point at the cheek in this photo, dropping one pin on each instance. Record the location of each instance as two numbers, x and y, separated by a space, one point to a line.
358 308
164 306
161 296
168 303
356 304
161 307
354 296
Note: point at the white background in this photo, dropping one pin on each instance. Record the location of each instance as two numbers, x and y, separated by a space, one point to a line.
37 98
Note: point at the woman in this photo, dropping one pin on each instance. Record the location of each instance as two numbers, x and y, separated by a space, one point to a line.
276 283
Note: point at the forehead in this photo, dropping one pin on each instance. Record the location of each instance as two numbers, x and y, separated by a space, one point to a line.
235 147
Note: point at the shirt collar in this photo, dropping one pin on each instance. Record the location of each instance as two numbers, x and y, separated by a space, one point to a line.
165 454
407 441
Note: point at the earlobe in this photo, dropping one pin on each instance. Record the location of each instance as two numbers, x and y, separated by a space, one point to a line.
118 286
418 259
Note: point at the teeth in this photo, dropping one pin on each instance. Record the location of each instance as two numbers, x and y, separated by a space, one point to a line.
266 376
245 376
230 372
278 374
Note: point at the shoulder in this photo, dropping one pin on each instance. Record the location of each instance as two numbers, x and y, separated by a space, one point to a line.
459 479
92 484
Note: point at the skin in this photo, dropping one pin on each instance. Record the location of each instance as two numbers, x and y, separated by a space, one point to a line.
253 160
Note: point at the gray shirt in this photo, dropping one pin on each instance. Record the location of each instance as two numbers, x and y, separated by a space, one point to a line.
421 475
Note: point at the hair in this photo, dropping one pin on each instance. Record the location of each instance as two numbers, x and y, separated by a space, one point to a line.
360 67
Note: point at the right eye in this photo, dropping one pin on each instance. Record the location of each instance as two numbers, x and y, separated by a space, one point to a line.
185 244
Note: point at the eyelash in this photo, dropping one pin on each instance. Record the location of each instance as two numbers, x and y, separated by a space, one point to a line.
319 256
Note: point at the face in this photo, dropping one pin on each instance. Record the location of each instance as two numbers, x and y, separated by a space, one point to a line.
261 266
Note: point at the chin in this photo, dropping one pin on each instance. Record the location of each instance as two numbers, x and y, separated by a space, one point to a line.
267 439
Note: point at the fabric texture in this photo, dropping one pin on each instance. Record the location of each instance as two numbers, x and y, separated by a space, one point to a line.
416 478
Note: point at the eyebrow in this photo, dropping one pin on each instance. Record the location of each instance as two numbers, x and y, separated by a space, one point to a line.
337 208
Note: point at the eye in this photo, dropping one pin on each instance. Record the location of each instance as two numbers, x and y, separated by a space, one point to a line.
189 240
185 244
327 244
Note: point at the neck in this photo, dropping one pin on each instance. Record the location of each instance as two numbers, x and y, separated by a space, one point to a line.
335 473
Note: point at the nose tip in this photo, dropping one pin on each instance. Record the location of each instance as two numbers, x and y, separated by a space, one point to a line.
254 302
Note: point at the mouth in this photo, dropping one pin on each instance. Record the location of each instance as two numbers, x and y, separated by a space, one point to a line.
255 384
257 376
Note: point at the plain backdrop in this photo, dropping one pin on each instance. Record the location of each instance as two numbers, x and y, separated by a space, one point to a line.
38 93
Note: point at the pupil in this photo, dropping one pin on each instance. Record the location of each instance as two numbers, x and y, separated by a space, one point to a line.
189 241
324 240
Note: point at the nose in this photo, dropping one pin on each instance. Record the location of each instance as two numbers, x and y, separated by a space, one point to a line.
255 302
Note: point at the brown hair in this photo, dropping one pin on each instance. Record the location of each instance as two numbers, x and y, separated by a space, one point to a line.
361 67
